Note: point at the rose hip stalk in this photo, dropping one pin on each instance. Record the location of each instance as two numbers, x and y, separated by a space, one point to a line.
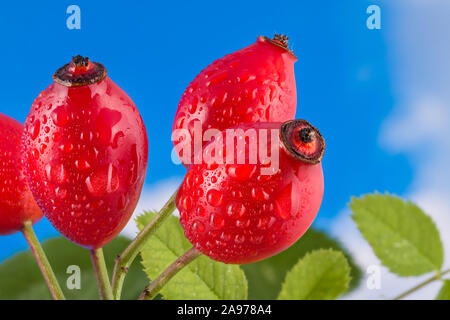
18 210
86 150
243 213
254 84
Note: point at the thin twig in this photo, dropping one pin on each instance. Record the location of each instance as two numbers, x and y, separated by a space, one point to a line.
153 288
42 261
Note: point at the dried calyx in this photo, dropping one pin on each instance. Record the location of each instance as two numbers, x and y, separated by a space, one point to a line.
281 41
80 72
303 141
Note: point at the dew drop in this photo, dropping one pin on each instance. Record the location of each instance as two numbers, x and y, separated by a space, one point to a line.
236 210
214 197
199 226
241 172
103 180
56 173
287 202
186 203
217 221
35 129
56 136
82 164
60 116
258 193
239 238
106 120
133 173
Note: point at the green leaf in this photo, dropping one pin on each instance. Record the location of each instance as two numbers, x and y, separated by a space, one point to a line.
402 236
265 277
21 279
444 293
320 275
203 278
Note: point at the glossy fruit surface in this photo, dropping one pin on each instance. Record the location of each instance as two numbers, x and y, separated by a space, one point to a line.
16 201
86 153
236 213
254 84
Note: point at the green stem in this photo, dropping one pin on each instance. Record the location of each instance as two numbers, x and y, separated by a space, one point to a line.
124 260
101 274
153 288
42 261
437 276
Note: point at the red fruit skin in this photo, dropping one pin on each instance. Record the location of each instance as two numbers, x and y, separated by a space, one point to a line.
86 156
254 84
233 214
16 201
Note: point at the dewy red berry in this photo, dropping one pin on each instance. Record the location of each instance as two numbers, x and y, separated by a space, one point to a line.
237 213
16 201
86 151
254 84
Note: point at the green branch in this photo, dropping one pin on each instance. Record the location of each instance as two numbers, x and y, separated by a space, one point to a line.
42 261
124 260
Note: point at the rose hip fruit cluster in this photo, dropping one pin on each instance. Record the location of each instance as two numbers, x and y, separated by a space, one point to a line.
85 152
237 212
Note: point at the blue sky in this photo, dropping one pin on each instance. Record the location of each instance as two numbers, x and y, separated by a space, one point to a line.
154 49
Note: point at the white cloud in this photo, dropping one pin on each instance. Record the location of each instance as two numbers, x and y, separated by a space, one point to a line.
419 126
153 197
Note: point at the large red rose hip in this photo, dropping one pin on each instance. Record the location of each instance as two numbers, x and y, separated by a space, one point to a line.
243 213
254 84
86 153
16 201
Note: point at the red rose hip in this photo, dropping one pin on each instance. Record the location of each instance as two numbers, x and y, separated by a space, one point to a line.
86 151
254 84
16 201
239 212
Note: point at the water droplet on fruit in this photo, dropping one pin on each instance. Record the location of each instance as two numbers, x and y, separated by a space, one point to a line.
117 137
265 222
217 221
186 203
198 227
256 239
243 223
258 193
103 180
214 197
189 179
123 202
201 211
56 136
67 147
35 129
106 120
239 238
60 116
287 202
56 173
82 164
241 172
133 173
236 210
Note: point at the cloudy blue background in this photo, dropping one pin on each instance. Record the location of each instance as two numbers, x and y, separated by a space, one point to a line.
367 90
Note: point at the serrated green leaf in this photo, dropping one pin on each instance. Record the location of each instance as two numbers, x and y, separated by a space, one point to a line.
203 278
320 275
21 279
402 236
444 293
266 277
